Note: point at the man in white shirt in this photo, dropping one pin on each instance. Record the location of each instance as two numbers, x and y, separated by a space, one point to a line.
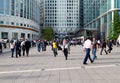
87 46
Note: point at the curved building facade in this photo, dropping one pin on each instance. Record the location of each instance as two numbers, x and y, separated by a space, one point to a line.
99 14
19 19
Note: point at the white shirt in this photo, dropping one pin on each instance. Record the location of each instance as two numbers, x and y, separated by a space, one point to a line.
87 44
12 45
22 43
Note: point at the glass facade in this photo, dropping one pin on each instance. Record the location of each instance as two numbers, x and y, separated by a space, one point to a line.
23 14
98 15
62 15
28 9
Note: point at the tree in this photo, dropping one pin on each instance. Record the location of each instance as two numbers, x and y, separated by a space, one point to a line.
115 28
48 33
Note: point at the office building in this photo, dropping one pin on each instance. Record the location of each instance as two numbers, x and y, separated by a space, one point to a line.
98 15
62 15
19 19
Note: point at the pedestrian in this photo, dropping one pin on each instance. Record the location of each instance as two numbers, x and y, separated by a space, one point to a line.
94 48
43 45
23 47
18 48
39 45
87 47
27 46
54 48
0 47
98 42
66 48
109 46
103 47
12 47
117 43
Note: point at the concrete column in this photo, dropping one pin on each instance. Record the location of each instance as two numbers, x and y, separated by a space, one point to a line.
19 35
101 31
25 35
10 35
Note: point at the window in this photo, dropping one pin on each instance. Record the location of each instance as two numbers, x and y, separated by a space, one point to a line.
12 23
4 35
7 23
14 35
1 22
22 35
24 25
1 6
27 25
12 7
17 24
7 6
21 24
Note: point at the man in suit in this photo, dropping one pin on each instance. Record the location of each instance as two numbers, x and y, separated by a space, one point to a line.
18 48
27 46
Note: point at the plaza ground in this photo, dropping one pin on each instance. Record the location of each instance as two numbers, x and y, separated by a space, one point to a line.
43 67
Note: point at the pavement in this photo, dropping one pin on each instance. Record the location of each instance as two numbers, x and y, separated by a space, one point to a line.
43 67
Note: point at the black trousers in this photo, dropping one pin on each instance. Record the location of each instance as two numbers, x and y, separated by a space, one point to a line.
27 51
55 52
103 48
18 52
65 53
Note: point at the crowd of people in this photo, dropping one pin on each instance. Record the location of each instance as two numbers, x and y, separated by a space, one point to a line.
94 44
21 47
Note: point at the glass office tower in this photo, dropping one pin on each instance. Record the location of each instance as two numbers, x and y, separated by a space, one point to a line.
62 15
19 19
98 15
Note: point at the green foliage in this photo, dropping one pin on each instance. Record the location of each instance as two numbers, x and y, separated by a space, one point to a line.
115 29
48 33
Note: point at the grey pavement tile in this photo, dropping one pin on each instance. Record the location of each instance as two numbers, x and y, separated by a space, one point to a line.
112 81
88 81
52 71
100 81
77 81
64 75
68 81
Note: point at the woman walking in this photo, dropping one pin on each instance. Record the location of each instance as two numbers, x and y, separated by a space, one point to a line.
12 46
54 48
66 48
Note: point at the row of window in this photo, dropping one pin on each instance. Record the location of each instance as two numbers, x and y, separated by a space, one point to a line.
54 11
18 24
54 1
54 18
69 14
50 7
62 21
4 35
54 24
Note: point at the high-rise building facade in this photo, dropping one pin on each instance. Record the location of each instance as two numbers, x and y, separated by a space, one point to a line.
19 19
98 15
62 15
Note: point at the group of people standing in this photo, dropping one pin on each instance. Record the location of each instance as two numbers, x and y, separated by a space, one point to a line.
19 46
